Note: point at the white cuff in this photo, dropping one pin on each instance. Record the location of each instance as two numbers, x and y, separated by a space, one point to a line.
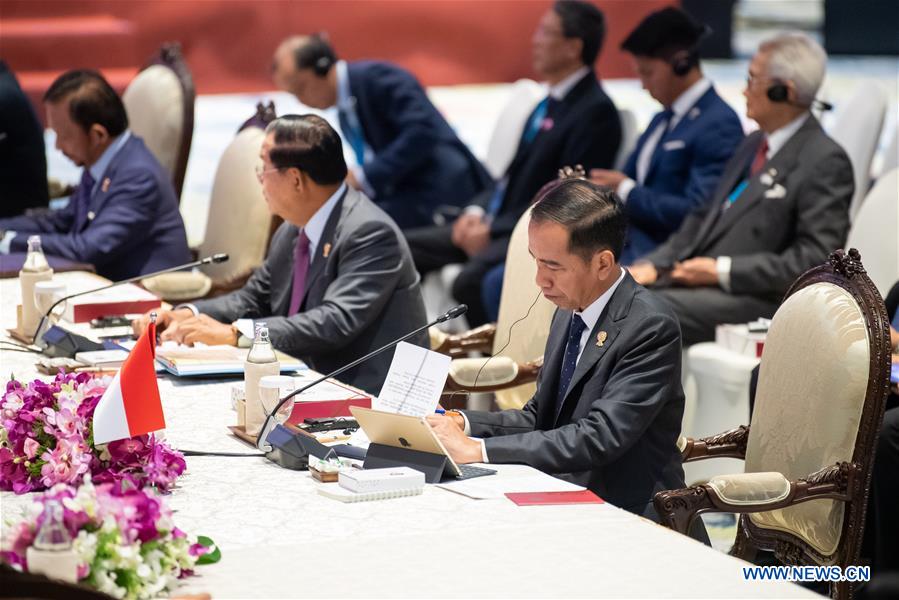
467 431
722 265
190 307
474 209
625 187
359 174
246 328
6 242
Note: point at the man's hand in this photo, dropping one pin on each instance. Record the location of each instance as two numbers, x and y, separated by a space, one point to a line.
203 329
461 226
164 319
696 272
607 178
461 448
476 239
643 272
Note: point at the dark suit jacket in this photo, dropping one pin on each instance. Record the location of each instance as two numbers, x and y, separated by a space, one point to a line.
617 430
23 162
419 161
790 217
136 228
585 130
364 294
683 171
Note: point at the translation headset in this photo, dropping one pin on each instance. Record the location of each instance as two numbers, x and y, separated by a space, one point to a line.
317 55
779 93
683 60
322 65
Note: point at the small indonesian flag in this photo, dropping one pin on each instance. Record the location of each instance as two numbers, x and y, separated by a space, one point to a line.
131 406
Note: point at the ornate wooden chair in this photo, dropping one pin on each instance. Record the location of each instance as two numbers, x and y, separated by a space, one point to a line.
160 106
808 453
239 222
515 355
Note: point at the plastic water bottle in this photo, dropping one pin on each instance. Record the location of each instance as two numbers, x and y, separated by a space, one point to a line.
35 269
261 361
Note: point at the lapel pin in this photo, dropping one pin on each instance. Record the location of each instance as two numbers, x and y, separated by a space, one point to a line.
326 250
601 338
105 185
91 215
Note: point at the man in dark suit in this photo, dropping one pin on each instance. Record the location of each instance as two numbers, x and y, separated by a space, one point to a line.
123 218
609 403
23 162
781 206
576 123
338 281
408 158
680 157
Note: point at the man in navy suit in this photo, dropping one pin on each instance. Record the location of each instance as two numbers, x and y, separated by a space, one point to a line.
408 159
576 123
123 218
680 157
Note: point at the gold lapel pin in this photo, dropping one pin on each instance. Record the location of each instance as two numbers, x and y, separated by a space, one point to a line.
326 250
105 185
601 338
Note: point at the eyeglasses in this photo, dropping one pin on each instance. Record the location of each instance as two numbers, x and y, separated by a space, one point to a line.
756 79
260 172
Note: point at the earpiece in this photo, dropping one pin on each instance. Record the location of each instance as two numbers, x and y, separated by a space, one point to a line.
778 93
322 65
681 62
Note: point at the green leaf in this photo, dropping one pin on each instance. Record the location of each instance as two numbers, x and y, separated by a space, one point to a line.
211 557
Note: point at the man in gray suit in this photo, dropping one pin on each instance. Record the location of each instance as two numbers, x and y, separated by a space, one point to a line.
338 282
609 403
781 206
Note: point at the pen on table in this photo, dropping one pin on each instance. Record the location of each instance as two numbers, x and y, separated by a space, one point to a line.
440 411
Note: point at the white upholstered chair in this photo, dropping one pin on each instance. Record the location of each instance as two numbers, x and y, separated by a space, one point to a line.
856 127
875 231
239 222
524 95
160 106
808 452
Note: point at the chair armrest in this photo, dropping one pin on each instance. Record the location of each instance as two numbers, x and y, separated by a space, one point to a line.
490 374
753 492
479 339
730 444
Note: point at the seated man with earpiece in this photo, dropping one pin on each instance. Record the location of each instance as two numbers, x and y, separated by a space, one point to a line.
780 208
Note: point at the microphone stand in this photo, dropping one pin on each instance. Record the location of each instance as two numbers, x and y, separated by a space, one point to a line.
215 258
269 423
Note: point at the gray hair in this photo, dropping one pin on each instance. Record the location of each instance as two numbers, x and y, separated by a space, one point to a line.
798 58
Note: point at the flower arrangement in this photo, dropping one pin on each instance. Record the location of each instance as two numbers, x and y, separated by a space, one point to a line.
46 439
123 537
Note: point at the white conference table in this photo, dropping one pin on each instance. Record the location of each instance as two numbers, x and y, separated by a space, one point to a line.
281 539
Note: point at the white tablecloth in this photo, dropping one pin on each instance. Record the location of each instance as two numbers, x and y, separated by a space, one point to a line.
279 538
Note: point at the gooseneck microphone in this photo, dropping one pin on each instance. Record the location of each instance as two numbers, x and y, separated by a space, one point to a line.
269 424
215 258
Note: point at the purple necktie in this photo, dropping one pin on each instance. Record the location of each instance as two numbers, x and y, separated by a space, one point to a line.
82 199
300 268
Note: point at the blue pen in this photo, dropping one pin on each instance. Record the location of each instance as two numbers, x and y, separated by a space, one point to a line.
439 411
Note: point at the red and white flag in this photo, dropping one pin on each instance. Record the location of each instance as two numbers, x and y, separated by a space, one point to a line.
131 406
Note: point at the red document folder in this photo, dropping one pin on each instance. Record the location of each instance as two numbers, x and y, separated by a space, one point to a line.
552 498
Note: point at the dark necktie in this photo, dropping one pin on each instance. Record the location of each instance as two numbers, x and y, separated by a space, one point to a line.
575 331
761 157
300 268
81 199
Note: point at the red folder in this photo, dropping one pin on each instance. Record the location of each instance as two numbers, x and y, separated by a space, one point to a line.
553 498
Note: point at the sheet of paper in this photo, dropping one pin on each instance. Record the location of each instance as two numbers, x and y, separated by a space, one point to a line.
414 382
509 479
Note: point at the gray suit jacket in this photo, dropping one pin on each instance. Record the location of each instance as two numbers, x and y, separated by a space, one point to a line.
362 295
617 429
789 218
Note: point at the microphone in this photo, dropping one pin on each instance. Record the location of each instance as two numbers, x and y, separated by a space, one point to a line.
215 258
822 105
269 424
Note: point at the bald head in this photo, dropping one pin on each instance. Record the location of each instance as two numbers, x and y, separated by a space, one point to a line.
304 66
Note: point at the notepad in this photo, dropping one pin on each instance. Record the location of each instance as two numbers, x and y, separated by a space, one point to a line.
334 491
199 361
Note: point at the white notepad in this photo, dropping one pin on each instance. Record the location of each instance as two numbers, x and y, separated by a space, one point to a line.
333 490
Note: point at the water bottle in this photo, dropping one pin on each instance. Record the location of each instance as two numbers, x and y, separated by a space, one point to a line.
261 361
52 553
35 269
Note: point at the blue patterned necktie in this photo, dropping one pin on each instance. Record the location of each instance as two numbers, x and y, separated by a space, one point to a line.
352 131
535 122
575 331
82 198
